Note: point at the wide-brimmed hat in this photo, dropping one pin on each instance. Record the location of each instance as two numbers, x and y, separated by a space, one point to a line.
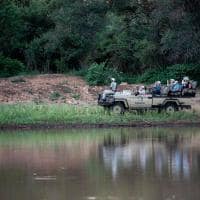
186 78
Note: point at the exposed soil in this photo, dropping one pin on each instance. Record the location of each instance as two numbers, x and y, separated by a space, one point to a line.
50 88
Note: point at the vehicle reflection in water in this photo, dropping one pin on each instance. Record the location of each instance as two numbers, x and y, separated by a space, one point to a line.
148 164
150 156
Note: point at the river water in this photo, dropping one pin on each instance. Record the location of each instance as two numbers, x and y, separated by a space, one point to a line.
106 164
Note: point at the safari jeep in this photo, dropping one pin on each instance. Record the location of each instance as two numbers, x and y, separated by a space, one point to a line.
120 102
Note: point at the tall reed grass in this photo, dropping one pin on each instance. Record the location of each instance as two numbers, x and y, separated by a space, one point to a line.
62 113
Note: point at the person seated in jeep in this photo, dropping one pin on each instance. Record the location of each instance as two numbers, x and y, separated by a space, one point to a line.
189 87
186 82
142 90
177 87
137 90
157 88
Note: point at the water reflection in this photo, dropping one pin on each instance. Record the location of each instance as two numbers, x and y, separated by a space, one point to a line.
153 155
148 164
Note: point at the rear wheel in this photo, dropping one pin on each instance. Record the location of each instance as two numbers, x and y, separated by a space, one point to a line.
171 108
118 108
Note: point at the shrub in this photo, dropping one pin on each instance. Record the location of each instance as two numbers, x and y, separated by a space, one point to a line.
10 67
81 72
76 96
100 74
18 79
175 71
55 96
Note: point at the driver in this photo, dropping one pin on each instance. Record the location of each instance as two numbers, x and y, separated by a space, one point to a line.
113 85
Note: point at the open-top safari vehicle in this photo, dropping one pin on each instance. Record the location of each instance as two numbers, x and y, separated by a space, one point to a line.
119 102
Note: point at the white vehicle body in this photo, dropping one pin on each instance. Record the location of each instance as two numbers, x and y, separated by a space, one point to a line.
126 100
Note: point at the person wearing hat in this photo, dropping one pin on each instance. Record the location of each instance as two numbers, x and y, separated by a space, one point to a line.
113 85
171 85
112 90
142 90
157 88
177 87
185 82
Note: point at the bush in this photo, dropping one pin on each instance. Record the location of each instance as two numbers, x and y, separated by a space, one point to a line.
175 71
55 96
10 67
100 74
81 72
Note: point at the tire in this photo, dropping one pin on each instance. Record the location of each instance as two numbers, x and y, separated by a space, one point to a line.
171 108
118 108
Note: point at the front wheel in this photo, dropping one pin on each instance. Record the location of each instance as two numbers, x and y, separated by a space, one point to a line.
118 108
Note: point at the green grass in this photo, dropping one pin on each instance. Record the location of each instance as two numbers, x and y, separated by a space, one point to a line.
62 113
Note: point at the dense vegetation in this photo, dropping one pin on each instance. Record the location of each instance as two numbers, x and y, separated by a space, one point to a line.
128 36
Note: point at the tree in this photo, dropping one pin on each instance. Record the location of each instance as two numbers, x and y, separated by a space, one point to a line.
69 43
11 27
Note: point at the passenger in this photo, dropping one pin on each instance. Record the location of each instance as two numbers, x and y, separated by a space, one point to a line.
137 91
185 82
176 87
190 85
142 90
157 88
172 82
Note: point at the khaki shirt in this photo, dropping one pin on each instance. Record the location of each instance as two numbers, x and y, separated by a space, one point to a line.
113 86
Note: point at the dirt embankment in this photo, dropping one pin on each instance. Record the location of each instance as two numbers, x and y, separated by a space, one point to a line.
54 88
49 88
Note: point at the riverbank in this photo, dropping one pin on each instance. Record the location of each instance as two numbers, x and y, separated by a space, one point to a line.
33 116
138 124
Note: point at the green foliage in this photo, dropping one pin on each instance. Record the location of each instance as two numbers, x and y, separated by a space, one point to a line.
100 74
76 96
129 35
114 44
10 67
175 71
81 72
37 19
65 46
178 31
145 52
55 96
11 26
